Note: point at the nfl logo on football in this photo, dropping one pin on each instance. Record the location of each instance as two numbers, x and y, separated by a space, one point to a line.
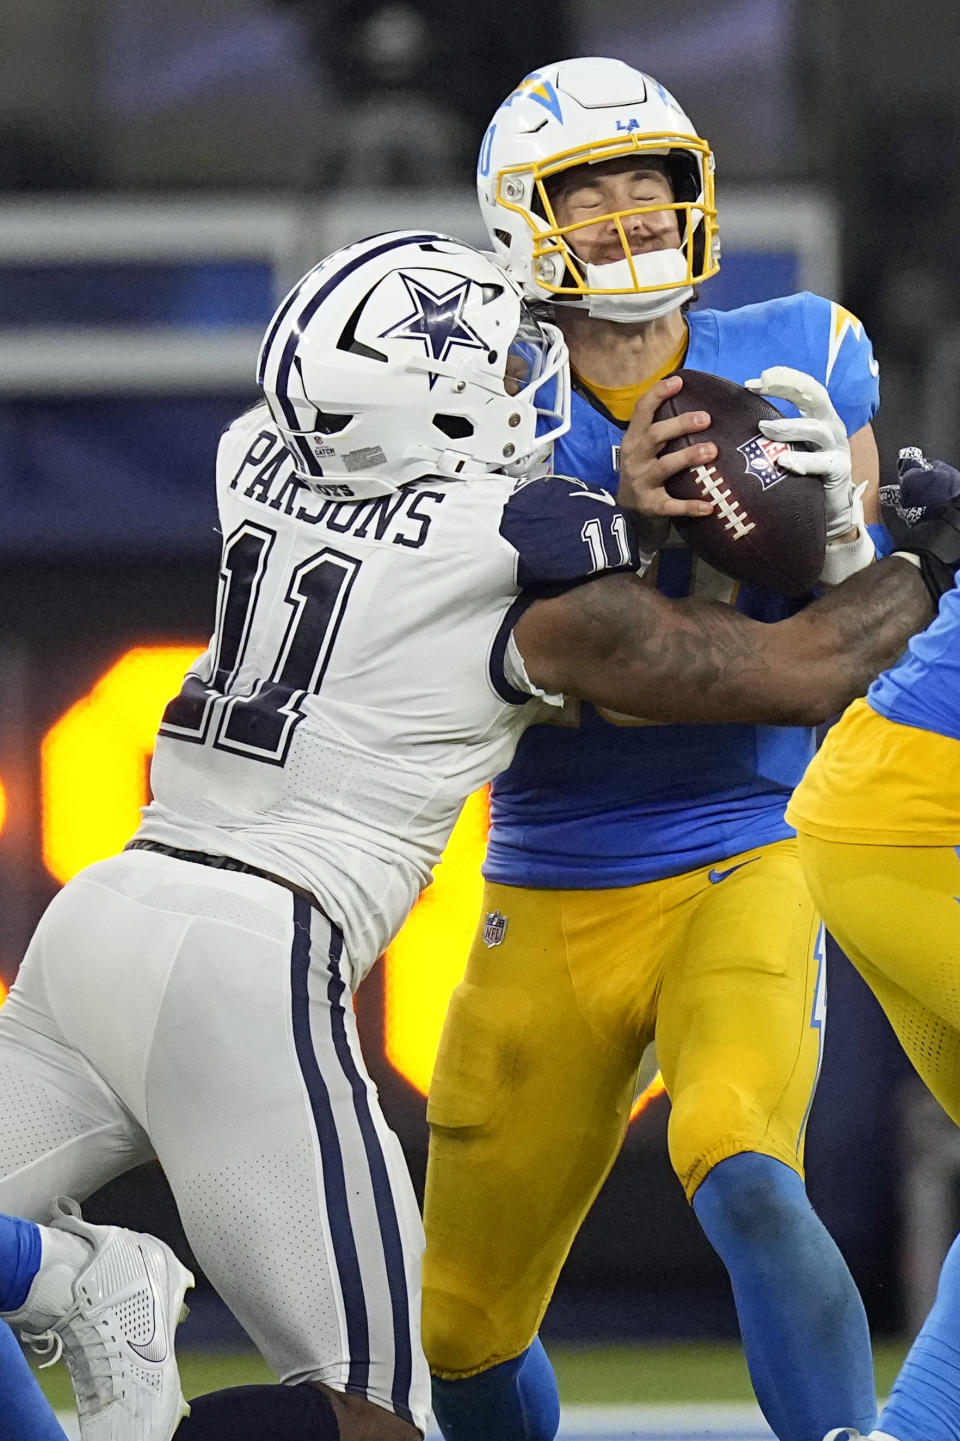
761 456
494 928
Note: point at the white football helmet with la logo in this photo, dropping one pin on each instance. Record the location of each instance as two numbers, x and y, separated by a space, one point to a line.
584 112
412 354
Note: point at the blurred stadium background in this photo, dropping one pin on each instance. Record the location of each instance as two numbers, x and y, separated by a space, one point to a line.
166 172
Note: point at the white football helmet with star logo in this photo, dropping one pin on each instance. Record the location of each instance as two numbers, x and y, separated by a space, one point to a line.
585 112
412 354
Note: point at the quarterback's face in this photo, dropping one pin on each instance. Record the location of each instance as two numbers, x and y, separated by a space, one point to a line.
602 190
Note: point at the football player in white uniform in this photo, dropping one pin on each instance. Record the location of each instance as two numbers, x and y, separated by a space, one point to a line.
394 607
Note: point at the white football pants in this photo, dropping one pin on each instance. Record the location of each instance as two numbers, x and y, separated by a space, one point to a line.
166 1008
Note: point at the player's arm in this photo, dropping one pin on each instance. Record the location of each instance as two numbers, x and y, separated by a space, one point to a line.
619 644
865 466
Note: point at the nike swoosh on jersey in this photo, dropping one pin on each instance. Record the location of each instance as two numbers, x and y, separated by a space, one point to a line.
716 876
155 1349
602 495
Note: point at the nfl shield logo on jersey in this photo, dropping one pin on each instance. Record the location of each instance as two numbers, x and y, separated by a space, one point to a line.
493 929
761 455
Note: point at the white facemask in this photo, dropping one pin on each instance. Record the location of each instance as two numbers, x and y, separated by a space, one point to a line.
656 268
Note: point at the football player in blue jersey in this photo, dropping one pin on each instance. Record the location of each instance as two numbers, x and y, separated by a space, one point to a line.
878 819
644 881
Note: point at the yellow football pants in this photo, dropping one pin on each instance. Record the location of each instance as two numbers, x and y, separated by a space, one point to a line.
894 911
535 1074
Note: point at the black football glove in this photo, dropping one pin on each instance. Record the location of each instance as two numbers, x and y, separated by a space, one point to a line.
922 485
922 513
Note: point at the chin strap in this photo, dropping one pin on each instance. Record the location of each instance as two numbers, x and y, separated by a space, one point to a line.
631 309
663 270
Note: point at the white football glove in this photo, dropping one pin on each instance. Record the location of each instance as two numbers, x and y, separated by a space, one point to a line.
820 426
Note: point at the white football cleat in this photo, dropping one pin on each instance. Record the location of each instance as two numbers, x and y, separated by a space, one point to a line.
847 1433
117 1336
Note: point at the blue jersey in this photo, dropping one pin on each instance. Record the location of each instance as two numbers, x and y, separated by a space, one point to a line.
601 799
923 688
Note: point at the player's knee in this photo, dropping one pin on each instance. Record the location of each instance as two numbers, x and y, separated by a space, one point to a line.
711 1122
707 1121
459 1337
752 1198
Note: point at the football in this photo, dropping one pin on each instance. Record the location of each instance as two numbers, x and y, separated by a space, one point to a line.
768 527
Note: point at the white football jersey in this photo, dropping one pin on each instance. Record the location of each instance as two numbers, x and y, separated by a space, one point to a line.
361 681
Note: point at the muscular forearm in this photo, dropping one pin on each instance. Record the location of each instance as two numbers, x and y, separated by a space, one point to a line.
621 645
803 670
862 627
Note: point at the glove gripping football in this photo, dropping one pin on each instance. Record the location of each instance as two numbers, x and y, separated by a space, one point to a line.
818 445
820 432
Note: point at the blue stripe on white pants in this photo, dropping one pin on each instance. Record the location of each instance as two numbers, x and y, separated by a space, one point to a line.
380 1181
376 1186
334 1182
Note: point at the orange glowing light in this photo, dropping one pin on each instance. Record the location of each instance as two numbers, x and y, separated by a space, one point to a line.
94 759
649 1093
3 805
428 957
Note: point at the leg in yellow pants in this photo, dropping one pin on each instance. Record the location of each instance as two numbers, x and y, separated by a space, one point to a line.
528 1106
894 911
535 1075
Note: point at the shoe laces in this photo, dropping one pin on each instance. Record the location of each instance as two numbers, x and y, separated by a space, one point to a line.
42 1343
89 1351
